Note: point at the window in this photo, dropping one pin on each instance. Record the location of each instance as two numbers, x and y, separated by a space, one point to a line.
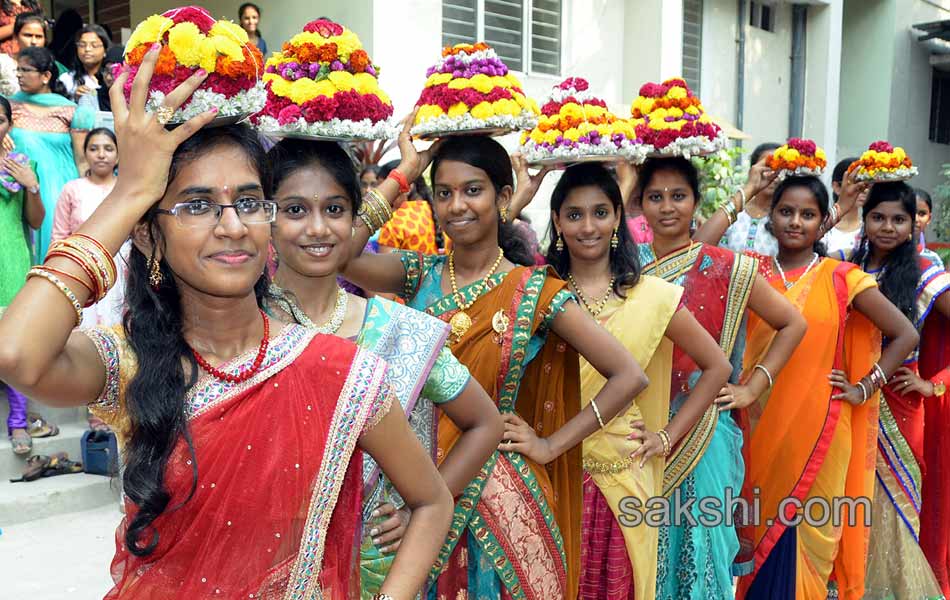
940 108
761 16
526 34
692 42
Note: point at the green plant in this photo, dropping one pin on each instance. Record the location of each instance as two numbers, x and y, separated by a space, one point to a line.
719 178
940 224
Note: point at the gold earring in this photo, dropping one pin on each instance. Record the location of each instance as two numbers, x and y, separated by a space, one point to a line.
614 240
503 213
559 245
154 274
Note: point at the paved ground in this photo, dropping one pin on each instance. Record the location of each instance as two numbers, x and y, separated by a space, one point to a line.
61 557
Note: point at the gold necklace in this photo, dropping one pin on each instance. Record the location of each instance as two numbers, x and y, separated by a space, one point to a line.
599 307
677 268
288 304
460 321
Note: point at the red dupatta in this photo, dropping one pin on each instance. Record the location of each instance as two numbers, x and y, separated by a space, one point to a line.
275 509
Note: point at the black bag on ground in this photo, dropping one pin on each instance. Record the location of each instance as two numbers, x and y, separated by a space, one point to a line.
100 453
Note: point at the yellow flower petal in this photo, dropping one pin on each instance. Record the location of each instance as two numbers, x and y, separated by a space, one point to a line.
483 110
185 41
149 31
342 80
227 46
458 109
231 30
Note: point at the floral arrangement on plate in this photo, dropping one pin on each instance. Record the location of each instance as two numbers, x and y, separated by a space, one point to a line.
575 125
323 84
670 119
883 162
798 157
470 90
191 39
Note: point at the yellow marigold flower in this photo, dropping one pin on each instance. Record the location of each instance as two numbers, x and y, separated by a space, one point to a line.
659 114
303 90
231 30
280 87
499 81
438 79
524 137
572 134
658 124
185 41
676 112
270 77
537 136
791 155
228 47
459 83
428 111
606 129
519 98
307 37
585 128
346 43
324 87
506 107
676 93
482 83
533 107
483 110
900 153
384 97
692 110
551 136
819 153
342 80
704 118
209 54
458 109
365 83
513 81
572 111
149 31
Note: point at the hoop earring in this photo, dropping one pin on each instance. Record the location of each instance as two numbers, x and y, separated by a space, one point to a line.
559 245
154 274
614 240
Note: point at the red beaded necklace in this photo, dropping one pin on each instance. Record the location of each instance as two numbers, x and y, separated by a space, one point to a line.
246 374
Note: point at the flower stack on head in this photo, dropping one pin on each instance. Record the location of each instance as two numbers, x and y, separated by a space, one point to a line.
470 90
191 39
323 84
798 157
671 120
575 125
883 162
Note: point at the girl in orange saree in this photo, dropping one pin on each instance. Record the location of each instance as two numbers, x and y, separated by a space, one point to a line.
516 528
911 463
234 438
813 422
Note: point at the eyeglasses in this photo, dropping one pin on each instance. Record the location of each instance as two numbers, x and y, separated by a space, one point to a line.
208 214
25 70
92 46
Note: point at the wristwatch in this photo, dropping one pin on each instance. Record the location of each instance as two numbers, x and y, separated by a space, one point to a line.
940 388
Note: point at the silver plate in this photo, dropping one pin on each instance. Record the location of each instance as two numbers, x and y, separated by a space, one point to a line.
216 122
563 163
489 131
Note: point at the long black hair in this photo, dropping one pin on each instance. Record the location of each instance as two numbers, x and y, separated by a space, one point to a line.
817 189
624 263
44 61
155 396
678 165
290 155
922 194
488 155
7 109
901 269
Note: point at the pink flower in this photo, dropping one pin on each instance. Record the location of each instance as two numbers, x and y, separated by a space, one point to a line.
324 27
574 82
881 146
191 14
289 114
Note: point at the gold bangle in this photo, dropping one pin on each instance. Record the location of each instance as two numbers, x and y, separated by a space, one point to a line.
597 414
379 204
93 251
38 272
102 250
373 211
665 439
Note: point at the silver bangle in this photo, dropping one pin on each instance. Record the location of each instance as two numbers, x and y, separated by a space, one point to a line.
597 414
864 392
767 374
744 199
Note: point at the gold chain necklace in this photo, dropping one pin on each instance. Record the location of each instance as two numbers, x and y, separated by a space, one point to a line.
599 307
677 268
460 321
288 304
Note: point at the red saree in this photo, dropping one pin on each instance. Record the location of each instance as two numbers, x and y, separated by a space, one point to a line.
275 509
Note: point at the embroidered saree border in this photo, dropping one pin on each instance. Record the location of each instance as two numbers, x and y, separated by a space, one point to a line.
689 452
898 471
364 383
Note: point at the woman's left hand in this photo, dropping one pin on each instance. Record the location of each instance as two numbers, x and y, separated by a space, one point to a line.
521 438
387 536
849 393
734 396
22 173
906 381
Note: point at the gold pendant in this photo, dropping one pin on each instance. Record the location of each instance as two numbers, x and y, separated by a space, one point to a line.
460 323
500 321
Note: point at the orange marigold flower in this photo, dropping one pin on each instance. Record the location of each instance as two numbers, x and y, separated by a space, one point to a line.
135 56
359 60
166 62
327 52
305 52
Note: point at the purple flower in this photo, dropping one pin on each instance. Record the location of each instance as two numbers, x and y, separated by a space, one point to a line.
336 65
371 70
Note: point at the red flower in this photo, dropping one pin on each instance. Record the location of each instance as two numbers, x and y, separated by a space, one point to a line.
881 146
191 14
324 27
288 114
321 108
327 53
551 108
574 82
677 82
652 90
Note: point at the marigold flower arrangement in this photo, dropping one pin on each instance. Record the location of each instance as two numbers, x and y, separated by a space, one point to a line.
323 84
798 157
574 124
191 39
883 162
470 88
671 120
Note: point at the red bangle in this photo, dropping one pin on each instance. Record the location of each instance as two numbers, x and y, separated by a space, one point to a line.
399 178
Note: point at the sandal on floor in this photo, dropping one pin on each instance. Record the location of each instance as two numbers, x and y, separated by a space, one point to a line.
40 428
60 464
21 442
35 465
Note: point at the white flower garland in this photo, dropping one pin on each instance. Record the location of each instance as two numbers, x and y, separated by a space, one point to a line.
628 150
466 58
245 102
334 128
692 146
898 174
446 124
800 172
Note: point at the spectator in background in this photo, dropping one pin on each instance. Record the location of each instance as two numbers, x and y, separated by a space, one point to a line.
925 208
84 83
413 225
63 42
250 17
32 30
114 56
9 9
847 232
749 232
50 129
369 177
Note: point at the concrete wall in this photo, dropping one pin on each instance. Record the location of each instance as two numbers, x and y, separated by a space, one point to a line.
718 76
767 73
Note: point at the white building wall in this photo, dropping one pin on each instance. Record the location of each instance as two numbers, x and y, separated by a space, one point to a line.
767 79
718 71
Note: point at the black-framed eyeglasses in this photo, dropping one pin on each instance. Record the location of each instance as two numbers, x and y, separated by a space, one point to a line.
208 214
23 70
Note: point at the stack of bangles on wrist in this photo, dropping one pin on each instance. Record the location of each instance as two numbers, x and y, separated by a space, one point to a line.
375 211
830 221
872 382
90 256
729 208
665 438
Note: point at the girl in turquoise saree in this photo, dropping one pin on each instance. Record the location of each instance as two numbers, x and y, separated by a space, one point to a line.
50 130
318 194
